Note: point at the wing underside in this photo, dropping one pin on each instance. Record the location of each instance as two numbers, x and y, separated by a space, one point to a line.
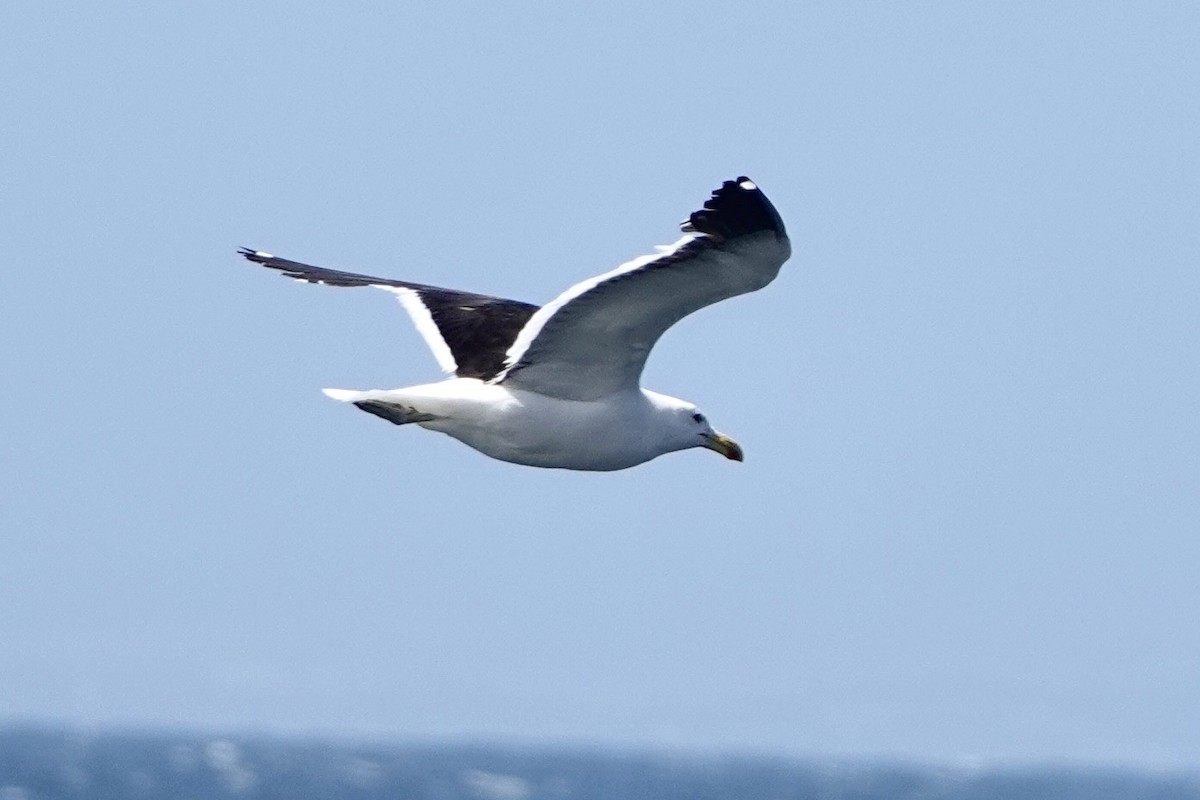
593 340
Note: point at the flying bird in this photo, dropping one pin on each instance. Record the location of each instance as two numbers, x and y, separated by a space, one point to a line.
559 386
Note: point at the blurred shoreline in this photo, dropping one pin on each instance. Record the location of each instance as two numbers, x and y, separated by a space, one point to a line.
40 761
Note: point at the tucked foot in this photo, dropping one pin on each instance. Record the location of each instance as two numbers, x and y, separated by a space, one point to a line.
394 413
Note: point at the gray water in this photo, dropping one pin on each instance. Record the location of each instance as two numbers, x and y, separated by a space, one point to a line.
38 763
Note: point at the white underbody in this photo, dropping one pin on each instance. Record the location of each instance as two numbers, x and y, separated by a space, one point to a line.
616 432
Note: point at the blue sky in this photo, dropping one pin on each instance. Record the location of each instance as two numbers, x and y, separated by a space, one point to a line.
966 525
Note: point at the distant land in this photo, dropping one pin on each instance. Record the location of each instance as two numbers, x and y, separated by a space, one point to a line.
48 763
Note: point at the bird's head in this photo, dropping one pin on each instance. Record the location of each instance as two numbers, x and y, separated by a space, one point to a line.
684 426
713 440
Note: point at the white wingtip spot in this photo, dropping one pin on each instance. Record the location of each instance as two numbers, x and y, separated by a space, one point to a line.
345 395
748 185
263 254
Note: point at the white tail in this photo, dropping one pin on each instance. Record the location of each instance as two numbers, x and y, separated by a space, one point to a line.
345 395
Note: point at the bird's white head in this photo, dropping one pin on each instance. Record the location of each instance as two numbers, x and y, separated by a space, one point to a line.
687 427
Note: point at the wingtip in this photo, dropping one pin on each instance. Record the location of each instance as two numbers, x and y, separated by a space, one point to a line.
737 208
257 256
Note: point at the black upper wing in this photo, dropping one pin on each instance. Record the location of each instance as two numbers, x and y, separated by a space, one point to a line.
476 329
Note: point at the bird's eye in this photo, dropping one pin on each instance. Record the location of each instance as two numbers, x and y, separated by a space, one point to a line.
698 417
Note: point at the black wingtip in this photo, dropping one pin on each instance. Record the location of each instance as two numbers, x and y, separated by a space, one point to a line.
253 255
738 208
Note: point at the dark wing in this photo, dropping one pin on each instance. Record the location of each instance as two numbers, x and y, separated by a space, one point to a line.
593 339
469 334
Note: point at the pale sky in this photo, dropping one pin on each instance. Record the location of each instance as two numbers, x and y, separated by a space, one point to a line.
966 527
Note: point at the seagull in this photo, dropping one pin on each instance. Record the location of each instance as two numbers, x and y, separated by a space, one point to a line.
559 386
